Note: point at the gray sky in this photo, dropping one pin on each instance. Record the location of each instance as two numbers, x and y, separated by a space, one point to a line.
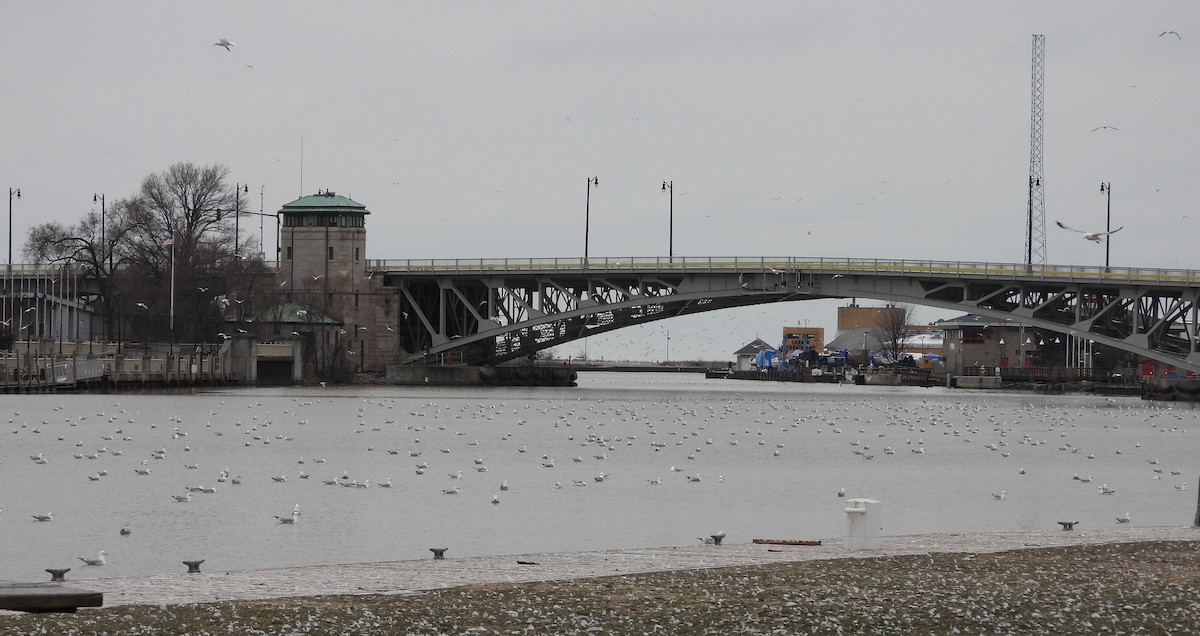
469 129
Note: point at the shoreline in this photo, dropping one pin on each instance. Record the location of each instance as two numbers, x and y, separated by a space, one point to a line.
415 577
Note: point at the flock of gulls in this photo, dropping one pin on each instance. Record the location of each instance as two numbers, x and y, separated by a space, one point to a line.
463 447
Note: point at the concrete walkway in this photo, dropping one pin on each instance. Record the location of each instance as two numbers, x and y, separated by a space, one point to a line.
400 577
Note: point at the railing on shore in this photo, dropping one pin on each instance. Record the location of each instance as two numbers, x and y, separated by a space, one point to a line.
1056 374
844 266
29 369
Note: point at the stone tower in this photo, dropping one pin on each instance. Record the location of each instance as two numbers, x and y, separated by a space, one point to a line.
323 267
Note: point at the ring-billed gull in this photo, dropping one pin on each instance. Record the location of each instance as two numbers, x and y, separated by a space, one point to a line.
224 43
99 560
291 520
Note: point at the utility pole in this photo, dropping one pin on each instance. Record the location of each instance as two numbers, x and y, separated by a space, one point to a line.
1106 188
669 188
592 182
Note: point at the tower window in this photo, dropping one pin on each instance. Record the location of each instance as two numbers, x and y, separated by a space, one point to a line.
356 254
331 252
289 252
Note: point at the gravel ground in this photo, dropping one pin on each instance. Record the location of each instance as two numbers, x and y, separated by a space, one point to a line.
1126 580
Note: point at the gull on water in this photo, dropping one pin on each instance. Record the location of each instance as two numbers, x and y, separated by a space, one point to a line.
49 516
1124 519
290 520
99 560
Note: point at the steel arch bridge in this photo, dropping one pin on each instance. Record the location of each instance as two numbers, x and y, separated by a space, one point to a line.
494 310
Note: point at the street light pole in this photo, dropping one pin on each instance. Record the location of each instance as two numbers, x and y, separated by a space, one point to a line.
103 225
669 188
592 182
9 278
1106 188
237 214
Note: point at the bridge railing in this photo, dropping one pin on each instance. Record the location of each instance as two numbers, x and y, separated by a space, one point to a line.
791 265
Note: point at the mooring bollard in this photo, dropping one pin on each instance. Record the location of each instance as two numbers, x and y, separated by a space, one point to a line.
193 566
58 575
439 553
717 538
1068 525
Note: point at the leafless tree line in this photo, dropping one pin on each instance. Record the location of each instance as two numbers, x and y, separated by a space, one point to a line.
124 254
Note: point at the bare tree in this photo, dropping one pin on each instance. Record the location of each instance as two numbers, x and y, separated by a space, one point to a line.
188 204
82 246
892 329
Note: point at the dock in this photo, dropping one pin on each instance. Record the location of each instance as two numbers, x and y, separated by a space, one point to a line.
46 597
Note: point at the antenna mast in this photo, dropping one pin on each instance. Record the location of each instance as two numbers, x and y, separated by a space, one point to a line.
1035 226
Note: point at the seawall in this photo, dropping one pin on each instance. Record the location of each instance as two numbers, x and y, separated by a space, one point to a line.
481 376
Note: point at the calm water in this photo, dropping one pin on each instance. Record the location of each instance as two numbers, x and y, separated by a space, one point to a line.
770 458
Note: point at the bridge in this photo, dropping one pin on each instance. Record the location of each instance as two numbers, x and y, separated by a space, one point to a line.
484 311
493 310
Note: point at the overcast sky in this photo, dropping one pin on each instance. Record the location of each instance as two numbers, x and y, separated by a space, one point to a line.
469 129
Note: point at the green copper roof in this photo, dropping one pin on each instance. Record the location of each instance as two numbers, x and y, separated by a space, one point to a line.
323 202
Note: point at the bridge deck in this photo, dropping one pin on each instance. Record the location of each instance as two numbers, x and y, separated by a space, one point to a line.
860 266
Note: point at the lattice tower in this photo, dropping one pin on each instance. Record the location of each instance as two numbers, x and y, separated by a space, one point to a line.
1035 226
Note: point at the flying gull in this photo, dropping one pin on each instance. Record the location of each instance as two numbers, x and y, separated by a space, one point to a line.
1091 236
225 43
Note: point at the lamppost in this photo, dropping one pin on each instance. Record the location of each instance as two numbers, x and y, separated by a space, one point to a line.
866 351
592 182
8 275
669 188
668 345
1000 360
1106 188
238 188
103 242
29 328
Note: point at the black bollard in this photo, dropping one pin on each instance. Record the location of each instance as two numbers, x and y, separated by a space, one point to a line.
58 575
1068 525
717 538
438 553
193 566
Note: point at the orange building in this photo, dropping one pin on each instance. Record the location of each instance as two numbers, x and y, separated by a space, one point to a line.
798 338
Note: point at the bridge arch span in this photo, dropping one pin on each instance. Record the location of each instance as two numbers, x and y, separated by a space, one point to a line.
494 311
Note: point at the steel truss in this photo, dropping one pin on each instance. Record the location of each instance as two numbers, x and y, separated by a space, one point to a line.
493 317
